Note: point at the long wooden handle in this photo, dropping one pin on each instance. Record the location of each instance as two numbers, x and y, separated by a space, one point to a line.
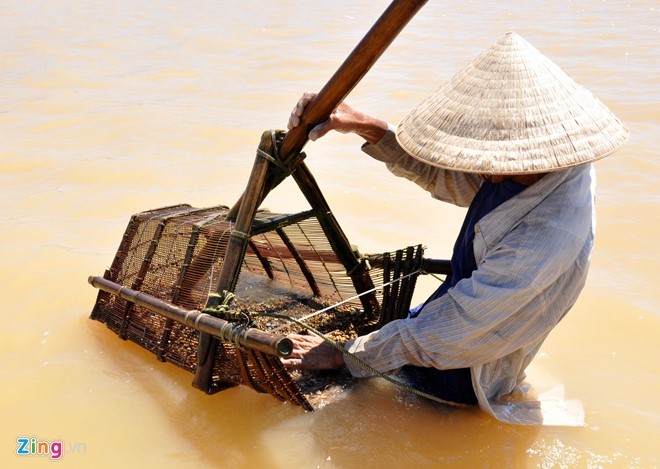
349 74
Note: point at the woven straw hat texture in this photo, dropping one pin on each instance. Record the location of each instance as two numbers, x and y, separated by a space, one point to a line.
511 111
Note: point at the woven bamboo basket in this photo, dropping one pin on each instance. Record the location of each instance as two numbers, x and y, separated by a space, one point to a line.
175 254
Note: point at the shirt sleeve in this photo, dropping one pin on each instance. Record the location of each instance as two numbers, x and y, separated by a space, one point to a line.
519 292
449 186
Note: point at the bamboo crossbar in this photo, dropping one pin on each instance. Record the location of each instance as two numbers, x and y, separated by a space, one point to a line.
282 221
436 266
251 338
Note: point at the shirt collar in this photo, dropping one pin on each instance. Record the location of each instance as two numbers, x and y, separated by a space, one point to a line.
499 222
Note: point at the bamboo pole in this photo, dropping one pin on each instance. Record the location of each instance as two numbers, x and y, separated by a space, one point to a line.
436 266
229 332
356 65
242 229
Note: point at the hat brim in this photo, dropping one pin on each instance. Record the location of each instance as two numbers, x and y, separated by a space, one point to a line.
511 111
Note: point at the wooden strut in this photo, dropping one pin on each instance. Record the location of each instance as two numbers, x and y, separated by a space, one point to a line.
236 248
338 240
262 179
300 261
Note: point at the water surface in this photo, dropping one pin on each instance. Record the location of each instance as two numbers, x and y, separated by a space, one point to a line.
111 108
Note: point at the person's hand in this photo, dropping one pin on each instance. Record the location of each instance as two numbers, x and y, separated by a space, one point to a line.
312 353
343 119
299 108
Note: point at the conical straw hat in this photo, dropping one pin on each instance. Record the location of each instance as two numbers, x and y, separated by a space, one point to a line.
511 111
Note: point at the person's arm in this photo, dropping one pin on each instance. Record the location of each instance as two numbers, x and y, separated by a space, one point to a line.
507 303
521 289
343 119
519 292
454 187
450 186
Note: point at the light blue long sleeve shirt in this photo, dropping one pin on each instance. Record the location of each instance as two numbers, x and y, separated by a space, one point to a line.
532 254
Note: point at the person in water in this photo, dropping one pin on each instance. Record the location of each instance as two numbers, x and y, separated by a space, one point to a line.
512 138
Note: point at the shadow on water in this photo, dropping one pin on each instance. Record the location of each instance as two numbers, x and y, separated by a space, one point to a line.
376 425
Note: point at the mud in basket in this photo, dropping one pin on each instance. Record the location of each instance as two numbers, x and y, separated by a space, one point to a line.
175 254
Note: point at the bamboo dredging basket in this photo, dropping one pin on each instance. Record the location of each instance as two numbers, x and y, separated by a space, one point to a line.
209 289
175 254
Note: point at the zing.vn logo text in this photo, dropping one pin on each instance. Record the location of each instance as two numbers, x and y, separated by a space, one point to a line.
29 446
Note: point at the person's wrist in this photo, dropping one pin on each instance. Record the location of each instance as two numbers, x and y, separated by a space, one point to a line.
337 358
372 130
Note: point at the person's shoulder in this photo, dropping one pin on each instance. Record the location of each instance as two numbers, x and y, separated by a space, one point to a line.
570 182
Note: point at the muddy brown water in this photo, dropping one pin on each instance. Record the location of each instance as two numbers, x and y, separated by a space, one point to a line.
111 108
